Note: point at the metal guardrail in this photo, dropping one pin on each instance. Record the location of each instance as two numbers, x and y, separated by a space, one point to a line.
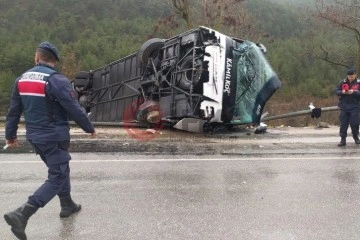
299 113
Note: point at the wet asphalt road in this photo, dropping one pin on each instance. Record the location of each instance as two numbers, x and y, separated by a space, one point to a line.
287 184
271 197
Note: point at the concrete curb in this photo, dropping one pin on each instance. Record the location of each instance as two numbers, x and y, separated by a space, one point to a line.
239 142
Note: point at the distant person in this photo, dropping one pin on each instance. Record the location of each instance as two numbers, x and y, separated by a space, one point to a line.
47 100
349 104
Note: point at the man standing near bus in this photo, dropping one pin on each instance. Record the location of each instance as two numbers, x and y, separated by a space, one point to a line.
47 100
349 104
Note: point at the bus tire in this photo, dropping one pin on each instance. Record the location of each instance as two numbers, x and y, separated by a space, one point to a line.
83 80
148 48
149 113
187 76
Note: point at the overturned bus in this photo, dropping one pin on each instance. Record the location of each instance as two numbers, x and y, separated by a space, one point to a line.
197 81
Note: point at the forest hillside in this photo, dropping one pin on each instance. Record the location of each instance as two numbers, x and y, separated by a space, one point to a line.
89 33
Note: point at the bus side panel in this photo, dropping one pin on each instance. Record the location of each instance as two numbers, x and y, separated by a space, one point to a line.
115 90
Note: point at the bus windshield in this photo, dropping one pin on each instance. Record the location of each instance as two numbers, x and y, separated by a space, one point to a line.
253 76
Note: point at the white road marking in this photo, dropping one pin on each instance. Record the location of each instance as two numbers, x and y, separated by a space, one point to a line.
342 158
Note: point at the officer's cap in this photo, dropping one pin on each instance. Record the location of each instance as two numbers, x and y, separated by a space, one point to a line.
351 72
50 48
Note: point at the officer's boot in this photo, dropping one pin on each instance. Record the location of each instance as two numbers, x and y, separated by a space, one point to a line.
18 219
356 138
68 206
342 142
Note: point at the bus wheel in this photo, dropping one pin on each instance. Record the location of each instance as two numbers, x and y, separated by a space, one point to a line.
83 81
189 73
149 49
149 113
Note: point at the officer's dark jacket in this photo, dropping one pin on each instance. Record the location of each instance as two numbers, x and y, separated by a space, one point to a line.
47 100
349 102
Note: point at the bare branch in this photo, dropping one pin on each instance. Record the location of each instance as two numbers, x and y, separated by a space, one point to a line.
343 14
326 58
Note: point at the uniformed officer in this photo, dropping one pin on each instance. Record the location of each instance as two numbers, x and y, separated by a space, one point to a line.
47 100
349 104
